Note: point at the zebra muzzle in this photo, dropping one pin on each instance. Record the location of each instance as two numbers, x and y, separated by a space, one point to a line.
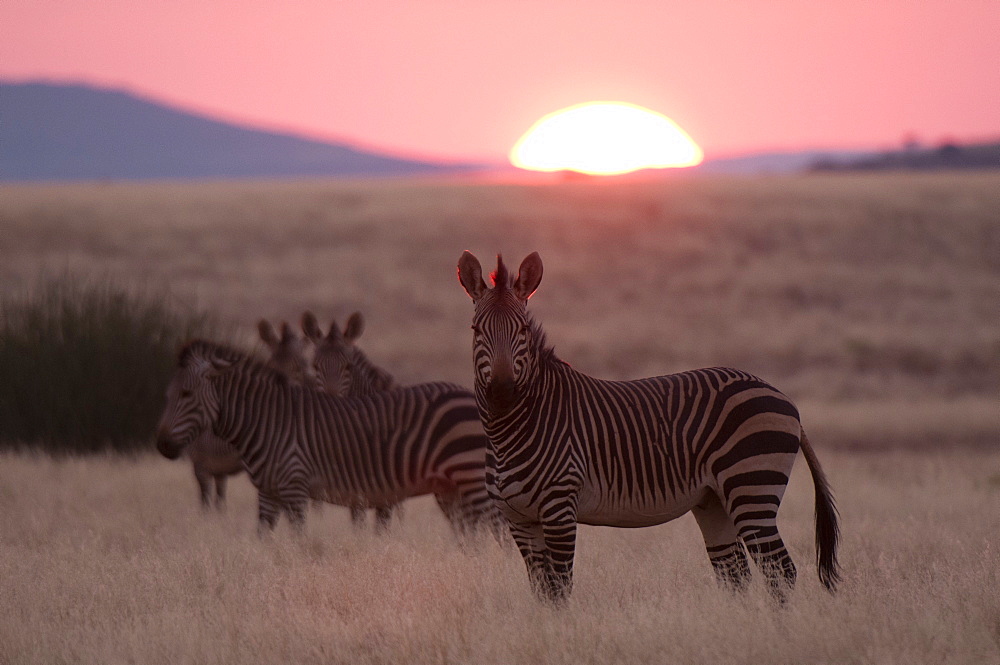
501 393
167 446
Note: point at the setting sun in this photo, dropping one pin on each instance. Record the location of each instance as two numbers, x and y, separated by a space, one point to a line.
604 138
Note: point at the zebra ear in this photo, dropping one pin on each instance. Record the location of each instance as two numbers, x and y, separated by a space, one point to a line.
267 333
219 364
310 326
355 326
470 274
529 276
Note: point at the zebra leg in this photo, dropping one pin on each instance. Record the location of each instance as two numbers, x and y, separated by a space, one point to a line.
753 509
530 541
268 509
358 516
559 531
296 511
769 553
383 518
451 505
725 551
204 480
220 492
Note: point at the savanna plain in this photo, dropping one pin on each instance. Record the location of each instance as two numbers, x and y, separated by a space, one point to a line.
870 299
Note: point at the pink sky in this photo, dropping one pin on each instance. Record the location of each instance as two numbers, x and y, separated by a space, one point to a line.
465 78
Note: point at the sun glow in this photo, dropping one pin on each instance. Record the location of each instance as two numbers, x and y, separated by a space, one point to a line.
604 138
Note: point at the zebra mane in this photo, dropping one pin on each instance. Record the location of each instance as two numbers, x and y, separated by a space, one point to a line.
500 276
502 282
383 380
216 352
202 348
546 354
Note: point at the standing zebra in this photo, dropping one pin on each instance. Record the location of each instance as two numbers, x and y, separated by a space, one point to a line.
288 352
567 449
340 367
299 443
343 370
214 459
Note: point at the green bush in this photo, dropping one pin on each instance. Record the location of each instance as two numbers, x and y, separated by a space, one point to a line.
84 364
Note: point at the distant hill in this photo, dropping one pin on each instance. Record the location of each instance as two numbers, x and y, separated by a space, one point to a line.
54 131
947 156
777 162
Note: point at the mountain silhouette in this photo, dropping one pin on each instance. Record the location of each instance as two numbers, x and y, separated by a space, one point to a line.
51 131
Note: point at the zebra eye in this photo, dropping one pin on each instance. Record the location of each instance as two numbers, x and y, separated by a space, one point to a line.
185 393
476 330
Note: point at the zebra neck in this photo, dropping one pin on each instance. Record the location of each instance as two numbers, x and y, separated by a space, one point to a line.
373 376
244 401
524 409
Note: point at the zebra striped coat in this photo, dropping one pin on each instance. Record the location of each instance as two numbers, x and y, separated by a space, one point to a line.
340 366
343 370
567 448
214 459
299 443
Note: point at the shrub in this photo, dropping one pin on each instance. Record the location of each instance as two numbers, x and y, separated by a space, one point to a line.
84 363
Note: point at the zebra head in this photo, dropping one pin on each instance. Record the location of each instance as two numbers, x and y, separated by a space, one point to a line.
341 368
192 400
336 356
288 352
503 347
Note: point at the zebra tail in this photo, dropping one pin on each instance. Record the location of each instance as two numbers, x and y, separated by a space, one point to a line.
827 528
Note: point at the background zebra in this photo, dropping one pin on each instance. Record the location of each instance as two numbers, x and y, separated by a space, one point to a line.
297 442
289 352
340 366
213 459
567 448
342 369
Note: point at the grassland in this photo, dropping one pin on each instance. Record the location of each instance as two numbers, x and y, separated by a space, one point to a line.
108 560
870 299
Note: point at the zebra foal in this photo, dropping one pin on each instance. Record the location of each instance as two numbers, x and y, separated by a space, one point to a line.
566 448
298 443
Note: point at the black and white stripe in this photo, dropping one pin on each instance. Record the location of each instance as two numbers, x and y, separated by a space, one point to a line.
340 366
214 459
568 449
299 443
342 369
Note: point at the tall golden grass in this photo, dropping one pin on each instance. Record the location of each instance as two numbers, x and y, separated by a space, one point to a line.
869 299
107 560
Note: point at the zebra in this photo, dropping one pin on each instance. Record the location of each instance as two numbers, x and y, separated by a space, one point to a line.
298 443
566 448
289 353
214 459
340 367
343 370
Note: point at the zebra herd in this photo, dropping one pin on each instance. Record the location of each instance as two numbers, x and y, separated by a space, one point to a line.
535 450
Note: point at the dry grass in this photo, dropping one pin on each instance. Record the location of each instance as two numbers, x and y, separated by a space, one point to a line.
110 561
871 300
858 292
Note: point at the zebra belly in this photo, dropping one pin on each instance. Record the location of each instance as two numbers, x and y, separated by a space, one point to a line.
322 489
596 509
